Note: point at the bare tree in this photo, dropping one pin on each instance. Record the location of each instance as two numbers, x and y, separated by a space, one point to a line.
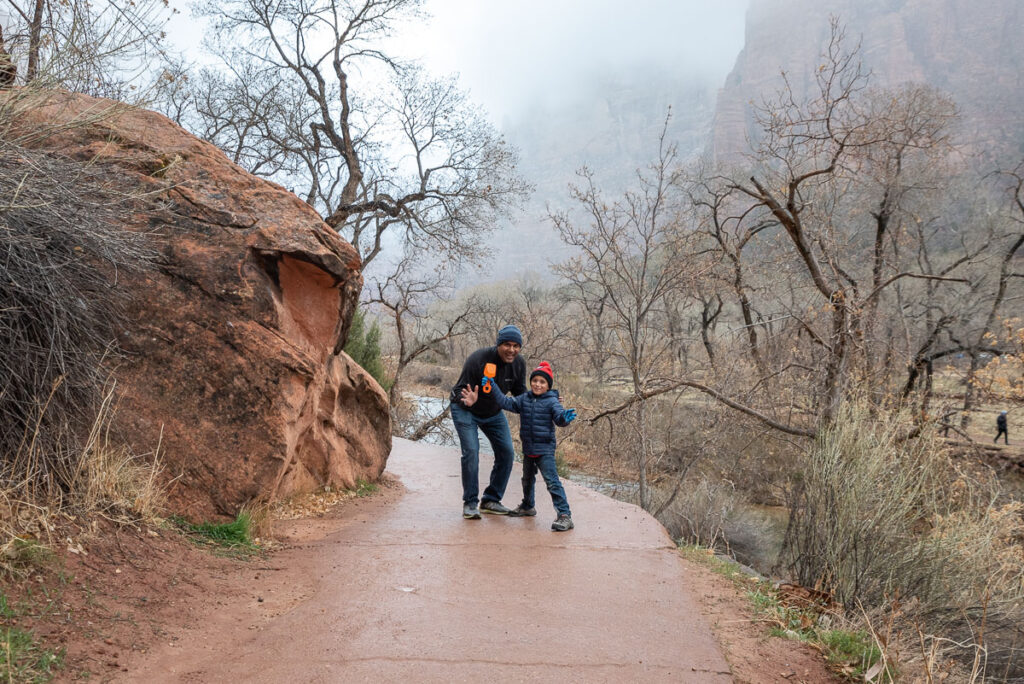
591 333
816 156
253 116
1008 265
631 249
8 71
418 159
406 296
106 48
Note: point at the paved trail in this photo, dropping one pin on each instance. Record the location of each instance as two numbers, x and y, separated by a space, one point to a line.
412 592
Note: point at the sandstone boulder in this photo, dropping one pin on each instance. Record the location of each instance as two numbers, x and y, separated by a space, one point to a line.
233 360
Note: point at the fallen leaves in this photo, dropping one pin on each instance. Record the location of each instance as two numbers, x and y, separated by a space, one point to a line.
310 505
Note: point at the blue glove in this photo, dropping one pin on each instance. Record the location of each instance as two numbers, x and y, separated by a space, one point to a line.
570 415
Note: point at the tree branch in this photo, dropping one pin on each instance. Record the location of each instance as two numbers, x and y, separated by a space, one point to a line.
643 396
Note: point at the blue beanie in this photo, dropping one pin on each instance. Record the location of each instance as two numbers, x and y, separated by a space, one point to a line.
510 333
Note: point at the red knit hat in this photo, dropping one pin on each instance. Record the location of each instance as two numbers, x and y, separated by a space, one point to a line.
544 368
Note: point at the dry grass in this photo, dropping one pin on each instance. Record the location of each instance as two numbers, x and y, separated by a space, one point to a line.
892 527
111 479
106 479
700 514
62 246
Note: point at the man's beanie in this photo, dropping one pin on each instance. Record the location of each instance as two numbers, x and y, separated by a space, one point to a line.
510 333
544 370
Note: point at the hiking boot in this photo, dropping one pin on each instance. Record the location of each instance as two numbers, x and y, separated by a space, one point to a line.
493 507
521 511
470 512
562 523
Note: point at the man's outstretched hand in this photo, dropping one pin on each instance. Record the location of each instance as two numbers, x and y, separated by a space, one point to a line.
469 396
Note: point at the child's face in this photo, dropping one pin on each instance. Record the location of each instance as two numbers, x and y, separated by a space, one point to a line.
538 385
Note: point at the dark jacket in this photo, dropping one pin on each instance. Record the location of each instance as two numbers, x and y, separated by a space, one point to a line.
511 377
539 416
1001 421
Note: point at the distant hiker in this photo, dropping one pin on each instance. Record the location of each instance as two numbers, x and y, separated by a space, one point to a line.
506 373
1001 428
539 411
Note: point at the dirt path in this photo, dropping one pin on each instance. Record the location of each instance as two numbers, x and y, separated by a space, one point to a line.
407 589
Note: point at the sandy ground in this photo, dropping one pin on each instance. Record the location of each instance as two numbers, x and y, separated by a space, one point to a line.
398 585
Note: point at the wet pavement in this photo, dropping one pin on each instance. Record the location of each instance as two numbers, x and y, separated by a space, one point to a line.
410 591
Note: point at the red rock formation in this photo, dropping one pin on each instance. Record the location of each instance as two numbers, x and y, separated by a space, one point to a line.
971 50
233 347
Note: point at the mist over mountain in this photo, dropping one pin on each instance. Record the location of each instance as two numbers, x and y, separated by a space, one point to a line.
971 50
612 128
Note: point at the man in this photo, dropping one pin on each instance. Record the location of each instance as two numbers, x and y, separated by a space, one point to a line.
1001 428
486 416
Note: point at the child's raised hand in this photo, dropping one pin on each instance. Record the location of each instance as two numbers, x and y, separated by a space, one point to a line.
570 415
469 396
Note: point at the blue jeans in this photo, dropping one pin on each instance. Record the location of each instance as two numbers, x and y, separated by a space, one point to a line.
549 471
495 429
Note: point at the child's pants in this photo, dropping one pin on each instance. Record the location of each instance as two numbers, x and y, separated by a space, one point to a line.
549 471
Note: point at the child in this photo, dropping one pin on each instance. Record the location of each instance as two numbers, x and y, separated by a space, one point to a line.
540 411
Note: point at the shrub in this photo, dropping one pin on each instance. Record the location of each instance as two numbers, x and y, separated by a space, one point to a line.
363 346
699 514
875 516
60 247
237 534
365 488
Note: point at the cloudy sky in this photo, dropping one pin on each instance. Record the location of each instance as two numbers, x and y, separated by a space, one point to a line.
508 52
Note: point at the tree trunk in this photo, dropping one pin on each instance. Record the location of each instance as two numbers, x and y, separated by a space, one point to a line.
35 34
645 490
836 370
425 429
997 302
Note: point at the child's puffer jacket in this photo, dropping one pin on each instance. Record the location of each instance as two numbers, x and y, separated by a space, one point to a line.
540 415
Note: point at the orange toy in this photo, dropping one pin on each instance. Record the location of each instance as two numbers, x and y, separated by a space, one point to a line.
490 370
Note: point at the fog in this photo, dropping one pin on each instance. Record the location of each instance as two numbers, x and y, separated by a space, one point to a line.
512 56
569 82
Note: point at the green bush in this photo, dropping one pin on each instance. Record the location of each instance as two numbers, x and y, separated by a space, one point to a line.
364 347
237 533
364 488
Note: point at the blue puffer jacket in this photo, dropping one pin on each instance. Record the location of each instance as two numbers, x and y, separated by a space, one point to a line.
539 416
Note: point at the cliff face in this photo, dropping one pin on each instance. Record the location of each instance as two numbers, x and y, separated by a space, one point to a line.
233 335
971 50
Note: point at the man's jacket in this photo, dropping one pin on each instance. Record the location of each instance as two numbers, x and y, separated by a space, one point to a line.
511 377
